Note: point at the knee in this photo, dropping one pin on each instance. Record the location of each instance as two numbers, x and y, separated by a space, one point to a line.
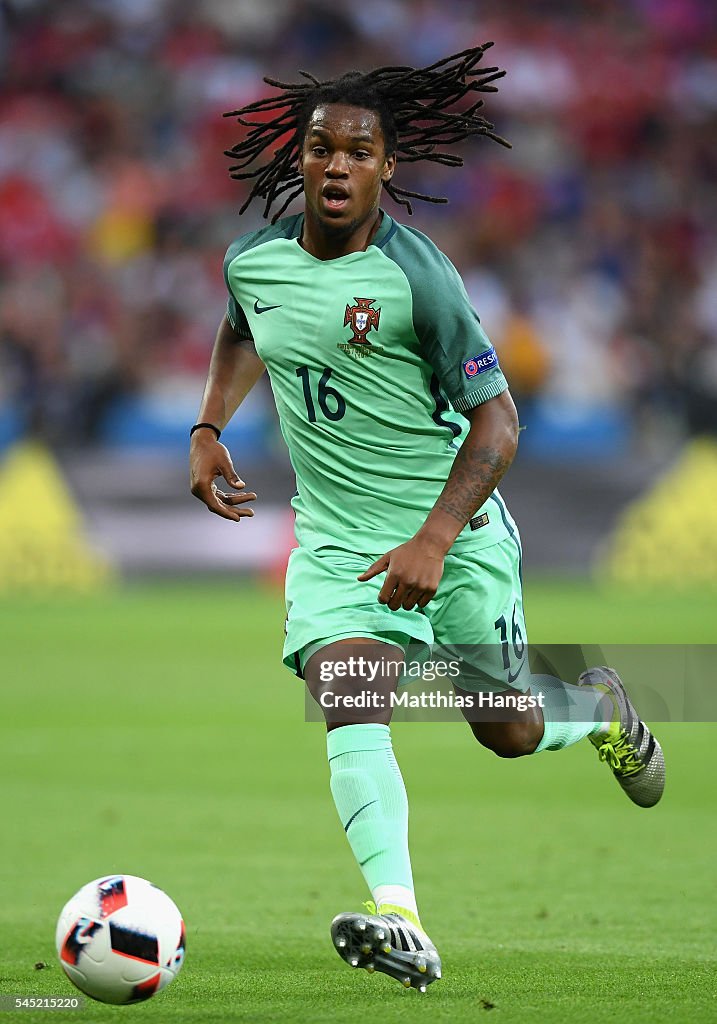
514 739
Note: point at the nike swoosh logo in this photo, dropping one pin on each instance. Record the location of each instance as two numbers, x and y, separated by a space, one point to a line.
264 309
356 814
512 676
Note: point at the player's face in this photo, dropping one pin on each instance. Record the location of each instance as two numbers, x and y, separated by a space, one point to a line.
344 164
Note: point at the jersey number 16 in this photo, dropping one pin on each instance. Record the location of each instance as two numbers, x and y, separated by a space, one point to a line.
324 394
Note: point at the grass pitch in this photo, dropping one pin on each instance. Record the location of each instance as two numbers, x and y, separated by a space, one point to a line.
154 731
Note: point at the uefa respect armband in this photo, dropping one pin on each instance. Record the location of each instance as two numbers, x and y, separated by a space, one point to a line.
487 360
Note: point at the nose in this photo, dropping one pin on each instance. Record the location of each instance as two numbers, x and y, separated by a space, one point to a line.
338 166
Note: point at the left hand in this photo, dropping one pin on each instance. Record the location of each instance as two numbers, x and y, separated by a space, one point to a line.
413 572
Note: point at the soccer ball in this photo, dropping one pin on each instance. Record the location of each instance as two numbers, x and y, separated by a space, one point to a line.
120 939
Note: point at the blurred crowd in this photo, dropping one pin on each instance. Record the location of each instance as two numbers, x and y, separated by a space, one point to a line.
589 249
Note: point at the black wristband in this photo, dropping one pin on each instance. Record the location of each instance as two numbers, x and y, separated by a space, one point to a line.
209 426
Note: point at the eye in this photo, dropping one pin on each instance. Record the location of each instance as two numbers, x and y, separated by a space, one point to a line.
361 154
318 150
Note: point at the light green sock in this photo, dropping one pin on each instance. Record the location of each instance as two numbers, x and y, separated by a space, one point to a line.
570 712
370 796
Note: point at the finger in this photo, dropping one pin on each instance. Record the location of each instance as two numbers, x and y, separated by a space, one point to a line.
398 597
388 588
232 479
225 503
236 499
240 513
379 566
226 469
425 598
224 515
410 599
223 510
214 504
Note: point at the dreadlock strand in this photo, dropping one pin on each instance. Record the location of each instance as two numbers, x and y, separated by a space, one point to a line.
274 176
255 144
274 171
294 87
462 57
482 85
420 195
499 139
289 200
268 103
447 159
286 115
397 198
265 171
279 190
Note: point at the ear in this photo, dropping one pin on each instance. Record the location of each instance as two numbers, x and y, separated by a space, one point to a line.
389 167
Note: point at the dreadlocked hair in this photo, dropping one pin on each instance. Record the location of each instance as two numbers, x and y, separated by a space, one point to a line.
413 106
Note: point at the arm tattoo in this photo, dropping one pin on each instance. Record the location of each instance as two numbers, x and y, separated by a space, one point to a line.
474 476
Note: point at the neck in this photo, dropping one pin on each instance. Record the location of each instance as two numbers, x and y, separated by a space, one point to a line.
330 245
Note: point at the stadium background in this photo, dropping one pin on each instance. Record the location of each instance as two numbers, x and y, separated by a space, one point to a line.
140 634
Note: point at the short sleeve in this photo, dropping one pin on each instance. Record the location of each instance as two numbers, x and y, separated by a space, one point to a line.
448 329
235 314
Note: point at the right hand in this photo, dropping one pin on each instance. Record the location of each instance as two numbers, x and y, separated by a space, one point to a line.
209 459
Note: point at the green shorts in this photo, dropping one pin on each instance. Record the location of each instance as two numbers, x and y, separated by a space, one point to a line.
478 608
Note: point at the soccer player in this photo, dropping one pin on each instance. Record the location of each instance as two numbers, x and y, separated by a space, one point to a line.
400 425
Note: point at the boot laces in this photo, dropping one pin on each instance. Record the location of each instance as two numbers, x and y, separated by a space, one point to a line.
622 756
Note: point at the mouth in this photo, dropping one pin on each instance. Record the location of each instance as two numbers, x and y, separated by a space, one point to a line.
335 197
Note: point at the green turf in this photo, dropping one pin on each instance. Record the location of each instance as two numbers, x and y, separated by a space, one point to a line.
153 731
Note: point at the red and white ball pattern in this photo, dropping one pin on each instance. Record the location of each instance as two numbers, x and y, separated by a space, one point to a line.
120 939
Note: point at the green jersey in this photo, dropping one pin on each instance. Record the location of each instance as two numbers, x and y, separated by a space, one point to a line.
372 357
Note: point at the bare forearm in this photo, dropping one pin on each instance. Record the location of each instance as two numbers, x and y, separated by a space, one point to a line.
233 371
477 470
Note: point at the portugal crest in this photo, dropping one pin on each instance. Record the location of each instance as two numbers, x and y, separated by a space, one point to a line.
362 319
